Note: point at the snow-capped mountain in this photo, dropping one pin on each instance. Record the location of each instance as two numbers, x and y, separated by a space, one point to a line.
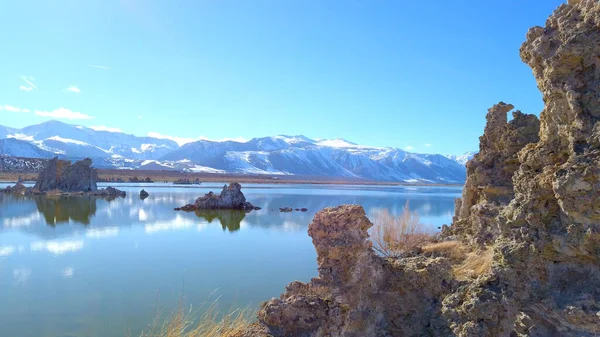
277 155
463 158
73 140
299 155
18 148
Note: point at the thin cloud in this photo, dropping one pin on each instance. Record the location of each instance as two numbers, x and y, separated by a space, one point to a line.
99 67
140 117
73 88
105 128
428 145
184 140
29 80
63 113
25 88
14 109
409 148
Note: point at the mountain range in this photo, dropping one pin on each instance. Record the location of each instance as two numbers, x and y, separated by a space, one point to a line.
277 155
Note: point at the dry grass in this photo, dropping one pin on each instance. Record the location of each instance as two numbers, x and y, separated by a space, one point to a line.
454 250
475 264
467 264
184 323
394 236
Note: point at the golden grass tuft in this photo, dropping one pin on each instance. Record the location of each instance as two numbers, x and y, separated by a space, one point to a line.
184 323
467 265
475 264
393 236
454 250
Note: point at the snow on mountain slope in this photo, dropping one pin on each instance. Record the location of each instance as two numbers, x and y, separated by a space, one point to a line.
71 147
261 156
18 148
130 146
463 158
277 155
5 131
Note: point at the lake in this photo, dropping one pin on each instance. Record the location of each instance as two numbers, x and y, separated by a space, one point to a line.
79 266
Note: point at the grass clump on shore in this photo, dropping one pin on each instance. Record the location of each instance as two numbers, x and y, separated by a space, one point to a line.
394 236
211 323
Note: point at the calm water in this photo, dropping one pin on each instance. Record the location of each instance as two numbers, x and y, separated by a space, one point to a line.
94 267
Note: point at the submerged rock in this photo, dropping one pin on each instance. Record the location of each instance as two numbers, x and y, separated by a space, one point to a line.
108 192
231 197
19 188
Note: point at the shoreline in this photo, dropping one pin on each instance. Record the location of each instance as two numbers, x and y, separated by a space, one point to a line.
171 176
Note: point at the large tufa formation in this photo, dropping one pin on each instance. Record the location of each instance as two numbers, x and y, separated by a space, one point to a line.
545 279
61 175
534 200
489 184
358 293
231 197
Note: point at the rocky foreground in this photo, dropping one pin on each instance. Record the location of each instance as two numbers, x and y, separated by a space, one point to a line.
64 178
532 196
231 197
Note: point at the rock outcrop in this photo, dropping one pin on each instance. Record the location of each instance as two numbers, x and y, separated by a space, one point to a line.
358 293
231 197
532 198
489 184
19 188
546 275
144 194
63 176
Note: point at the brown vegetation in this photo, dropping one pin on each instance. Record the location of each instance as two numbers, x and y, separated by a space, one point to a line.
467 263
395 236
185 323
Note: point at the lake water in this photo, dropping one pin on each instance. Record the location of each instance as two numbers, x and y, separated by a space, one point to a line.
83 266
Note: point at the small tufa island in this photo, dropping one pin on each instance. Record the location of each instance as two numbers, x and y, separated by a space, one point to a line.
60 177
231 197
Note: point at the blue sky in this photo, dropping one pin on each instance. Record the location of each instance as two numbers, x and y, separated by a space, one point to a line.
418 75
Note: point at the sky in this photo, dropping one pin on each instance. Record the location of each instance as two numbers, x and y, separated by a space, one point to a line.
417 75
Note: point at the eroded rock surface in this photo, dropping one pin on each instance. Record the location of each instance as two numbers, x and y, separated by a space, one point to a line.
489 184
546 273
231 197
358 293
62 177
533 197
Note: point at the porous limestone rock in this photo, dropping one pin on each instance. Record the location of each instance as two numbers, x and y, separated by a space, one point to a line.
231 197
358 293
489 184
545 279
535 200
63 176
19 188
